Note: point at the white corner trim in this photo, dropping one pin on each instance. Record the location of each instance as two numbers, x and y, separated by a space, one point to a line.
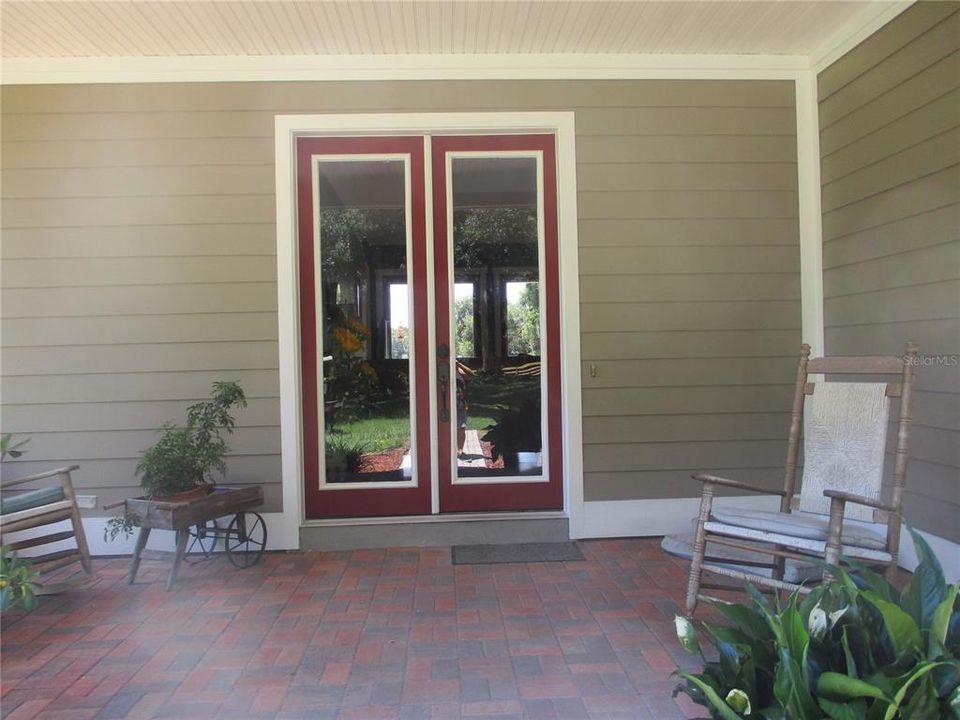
30 71
861 26
288 317
287 129
572 393
810 216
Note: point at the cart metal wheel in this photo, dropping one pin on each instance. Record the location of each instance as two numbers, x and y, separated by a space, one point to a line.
245 539
203 539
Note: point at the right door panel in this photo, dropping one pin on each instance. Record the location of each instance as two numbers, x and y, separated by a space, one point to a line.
498 324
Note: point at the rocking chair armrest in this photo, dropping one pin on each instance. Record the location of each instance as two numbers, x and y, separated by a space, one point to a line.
39 476
858 499
726 482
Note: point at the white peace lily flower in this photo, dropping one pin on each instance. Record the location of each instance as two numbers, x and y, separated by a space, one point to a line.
686 634
837 614
817 622
739 701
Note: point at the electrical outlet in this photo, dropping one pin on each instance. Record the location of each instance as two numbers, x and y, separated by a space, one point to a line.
87 502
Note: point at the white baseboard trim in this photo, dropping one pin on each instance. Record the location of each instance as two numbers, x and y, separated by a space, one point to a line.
278 537
645 518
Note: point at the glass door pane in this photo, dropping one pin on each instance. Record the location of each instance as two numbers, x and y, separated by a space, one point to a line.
497 239
364 322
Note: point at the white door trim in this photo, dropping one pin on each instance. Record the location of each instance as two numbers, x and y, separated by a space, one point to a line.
287 129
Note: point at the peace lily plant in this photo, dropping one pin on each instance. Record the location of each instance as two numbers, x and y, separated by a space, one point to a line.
855 647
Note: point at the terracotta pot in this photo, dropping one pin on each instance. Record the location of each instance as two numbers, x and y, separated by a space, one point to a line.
194 493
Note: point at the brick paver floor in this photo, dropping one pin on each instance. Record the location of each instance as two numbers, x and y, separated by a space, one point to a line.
398 633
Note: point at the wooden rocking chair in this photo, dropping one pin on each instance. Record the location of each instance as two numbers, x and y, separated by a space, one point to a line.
842 434
38 508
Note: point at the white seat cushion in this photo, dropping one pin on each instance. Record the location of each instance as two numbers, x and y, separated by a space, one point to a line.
802 525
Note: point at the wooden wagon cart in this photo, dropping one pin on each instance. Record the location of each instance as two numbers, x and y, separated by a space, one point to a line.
195 522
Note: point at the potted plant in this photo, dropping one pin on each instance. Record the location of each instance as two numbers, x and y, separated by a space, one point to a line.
855 647
181 464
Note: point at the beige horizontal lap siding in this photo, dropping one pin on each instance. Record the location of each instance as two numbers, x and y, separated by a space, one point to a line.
139 265
890 146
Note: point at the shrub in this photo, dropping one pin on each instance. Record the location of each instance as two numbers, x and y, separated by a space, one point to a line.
855 647
186 456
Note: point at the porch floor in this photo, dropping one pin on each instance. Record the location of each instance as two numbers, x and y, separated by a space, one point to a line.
369 634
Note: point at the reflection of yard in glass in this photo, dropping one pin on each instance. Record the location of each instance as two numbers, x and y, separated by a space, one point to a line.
372 449
366 449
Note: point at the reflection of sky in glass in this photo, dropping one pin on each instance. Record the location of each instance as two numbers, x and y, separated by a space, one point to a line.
399 312
514 290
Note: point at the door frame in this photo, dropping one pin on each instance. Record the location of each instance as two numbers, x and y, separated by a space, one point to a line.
287 129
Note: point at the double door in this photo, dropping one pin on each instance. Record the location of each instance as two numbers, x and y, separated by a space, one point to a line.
429 324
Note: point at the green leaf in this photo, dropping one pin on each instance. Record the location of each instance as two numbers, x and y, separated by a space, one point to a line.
848 653
790 689
923 704
867 579
898 699
946 678
839 687
794 633
926 588
954 703
901 628
941 623
746 619
716 702
854 710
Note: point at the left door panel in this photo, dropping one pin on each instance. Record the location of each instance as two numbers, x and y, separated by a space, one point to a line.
363 326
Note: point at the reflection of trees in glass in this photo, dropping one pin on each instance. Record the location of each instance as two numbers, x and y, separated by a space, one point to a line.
349 237
495 237
523 322
463 322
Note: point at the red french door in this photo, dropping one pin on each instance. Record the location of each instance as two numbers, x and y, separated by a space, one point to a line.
497 322
363 326
381 404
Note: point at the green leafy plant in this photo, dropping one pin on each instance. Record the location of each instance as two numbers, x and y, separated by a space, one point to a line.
8 448
855 647
187 456
342 456
123 524
17 582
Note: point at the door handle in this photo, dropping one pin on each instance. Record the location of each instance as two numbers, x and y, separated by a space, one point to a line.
443 381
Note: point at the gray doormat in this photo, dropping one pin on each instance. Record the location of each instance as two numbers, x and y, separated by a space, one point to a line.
516 553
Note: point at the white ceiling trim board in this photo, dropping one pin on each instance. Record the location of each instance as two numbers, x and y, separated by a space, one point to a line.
39 71
854 32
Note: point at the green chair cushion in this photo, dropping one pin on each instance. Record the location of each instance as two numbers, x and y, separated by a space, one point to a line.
31 499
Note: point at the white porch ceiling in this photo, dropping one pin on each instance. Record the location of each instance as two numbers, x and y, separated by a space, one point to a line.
216 28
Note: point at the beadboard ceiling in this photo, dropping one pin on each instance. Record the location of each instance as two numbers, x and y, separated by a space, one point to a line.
149 28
